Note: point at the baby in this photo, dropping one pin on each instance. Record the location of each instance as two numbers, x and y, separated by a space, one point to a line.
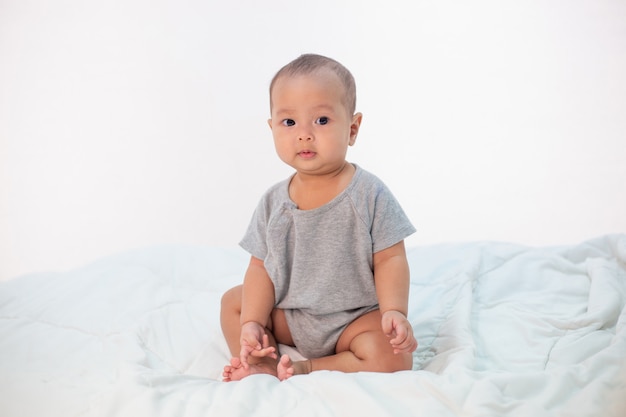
328 272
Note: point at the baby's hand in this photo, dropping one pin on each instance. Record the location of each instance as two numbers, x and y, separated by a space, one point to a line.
254 342
396 326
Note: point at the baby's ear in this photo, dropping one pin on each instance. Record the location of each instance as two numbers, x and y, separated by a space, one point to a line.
269 122
354 127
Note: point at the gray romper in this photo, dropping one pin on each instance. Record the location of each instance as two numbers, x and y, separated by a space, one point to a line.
320 260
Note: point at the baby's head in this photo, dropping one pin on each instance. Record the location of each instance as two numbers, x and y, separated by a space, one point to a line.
310 64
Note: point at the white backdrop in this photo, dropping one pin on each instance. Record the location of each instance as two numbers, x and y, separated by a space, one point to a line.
131 123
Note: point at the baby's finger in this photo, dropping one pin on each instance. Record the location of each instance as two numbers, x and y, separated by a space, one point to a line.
261 353
409 345
265 341
400 336
243 358
246 350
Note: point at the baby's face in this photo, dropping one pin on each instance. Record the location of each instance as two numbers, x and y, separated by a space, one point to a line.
311 126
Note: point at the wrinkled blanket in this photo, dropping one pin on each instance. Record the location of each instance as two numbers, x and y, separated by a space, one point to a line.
504 330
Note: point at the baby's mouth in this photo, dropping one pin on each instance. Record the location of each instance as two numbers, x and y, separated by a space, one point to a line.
306 154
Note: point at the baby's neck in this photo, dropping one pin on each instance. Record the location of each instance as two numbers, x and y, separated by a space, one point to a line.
310 192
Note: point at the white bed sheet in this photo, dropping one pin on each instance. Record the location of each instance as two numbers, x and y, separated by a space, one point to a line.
503 329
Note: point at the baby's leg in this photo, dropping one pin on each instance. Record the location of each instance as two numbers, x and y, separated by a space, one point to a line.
229 317
277 330
364 347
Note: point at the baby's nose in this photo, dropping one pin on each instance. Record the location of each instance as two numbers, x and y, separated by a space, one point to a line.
305 134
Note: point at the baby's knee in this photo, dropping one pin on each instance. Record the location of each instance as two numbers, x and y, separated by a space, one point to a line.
385 360
400 362
231 299
393 362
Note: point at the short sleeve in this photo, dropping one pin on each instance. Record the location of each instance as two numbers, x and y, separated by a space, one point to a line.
254 240
390 224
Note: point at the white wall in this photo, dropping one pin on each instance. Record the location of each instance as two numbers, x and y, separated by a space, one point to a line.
130 123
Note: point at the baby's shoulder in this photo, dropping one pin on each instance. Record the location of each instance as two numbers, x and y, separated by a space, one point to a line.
366 185
276 196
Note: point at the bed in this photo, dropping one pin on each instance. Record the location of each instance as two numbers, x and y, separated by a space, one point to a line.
504 330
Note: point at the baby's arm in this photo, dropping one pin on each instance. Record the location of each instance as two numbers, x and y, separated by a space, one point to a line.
391 276
256 307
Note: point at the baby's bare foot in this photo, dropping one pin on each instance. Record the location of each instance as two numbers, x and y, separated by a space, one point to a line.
236 371
286 368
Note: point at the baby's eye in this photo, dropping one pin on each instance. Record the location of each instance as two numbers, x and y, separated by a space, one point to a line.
289 122
322 120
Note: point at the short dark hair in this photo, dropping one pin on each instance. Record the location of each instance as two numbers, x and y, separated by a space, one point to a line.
310 63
